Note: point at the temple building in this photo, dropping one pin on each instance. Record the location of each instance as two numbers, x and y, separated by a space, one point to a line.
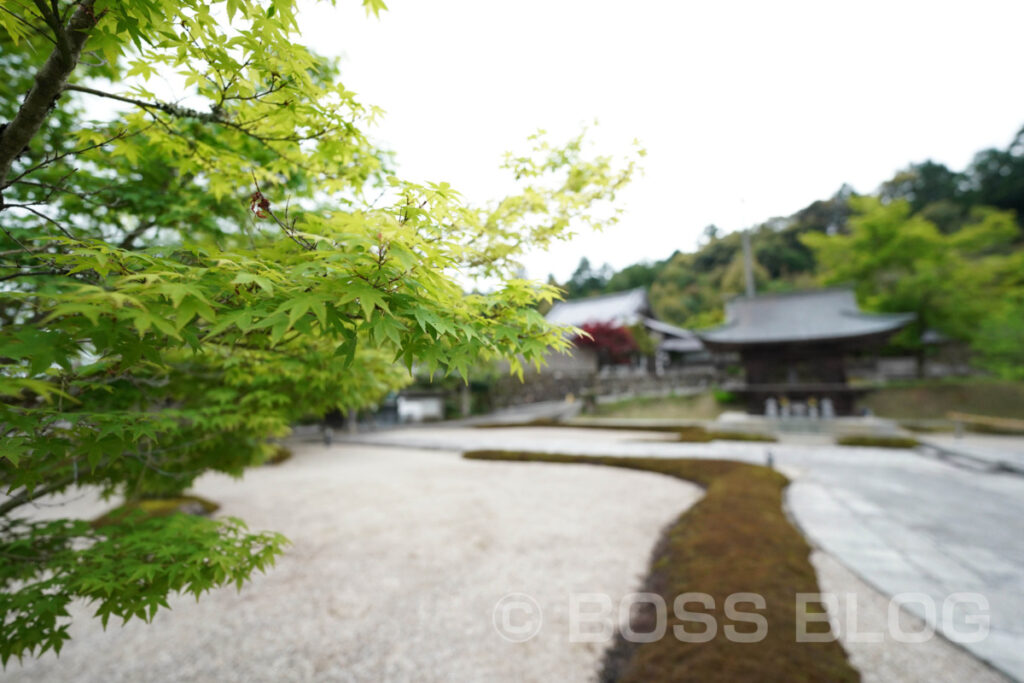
674 345
793 348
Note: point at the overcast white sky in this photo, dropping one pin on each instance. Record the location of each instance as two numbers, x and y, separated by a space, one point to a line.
748 110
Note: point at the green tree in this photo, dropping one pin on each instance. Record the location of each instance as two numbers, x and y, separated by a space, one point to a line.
586 280
1000 337
900 261
179 281
734 278
682 290
996 177
925 183
634 276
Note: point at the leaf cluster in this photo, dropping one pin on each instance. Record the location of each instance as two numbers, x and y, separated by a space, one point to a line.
186 276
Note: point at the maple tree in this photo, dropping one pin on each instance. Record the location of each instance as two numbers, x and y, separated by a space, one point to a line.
181 280
613 343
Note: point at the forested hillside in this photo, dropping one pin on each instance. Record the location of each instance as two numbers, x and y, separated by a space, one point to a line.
944 244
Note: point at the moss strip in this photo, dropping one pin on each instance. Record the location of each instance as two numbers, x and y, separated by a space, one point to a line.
877 441
157 507
690 434
736 539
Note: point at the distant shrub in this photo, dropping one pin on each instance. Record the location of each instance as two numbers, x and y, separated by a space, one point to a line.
877 441
725 397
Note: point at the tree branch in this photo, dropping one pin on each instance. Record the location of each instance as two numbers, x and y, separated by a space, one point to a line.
54 223
31 273
128 242
49 83
57 157
216 115
25 497
29 24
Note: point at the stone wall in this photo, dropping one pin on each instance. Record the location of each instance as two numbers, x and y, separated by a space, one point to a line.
622 382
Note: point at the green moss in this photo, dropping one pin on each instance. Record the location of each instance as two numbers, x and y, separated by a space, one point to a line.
928 426
982 428
702 435
148 508
694 435
742 436
536 422
582 423
279 455
690 434
735 539
877 441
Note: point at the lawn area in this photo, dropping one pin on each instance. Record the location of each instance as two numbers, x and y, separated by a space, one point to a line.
737 539
932 400
701 406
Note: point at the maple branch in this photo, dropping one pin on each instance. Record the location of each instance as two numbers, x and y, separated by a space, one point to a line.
49 84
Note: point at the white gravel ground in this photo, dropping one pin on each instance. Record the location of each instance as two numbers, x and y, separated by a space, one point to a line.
864 610
398 560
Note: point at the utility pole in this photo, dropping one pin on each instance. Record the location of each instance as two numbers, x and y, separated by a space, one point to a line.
748 264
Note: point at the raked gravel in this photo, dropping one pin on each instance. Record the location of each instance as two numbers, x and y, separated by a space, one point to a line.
398 558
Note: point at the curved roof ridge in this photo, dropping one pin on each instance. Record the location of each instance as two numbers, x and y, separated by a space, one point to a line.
623 308
606 295
792 317
835 289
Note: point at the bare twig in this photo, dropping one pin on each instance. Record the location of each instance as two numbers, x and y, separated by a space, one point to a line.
86 197
16 241
260 206
27 497
216 116
28 207
12 252
54 159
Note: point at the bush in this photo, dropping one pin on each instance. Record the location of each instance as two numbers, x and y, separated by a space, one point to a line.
725 397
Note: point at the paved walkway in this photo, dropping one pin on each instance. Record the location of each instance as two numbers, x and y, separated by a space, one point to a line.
1005 452
902 521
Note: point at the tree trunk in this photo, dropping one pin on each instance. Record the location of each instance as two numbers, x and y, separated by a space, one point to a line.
49 84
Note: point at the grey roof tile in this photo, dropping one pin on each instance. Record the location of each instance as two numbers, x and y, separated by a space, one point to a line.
800 317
